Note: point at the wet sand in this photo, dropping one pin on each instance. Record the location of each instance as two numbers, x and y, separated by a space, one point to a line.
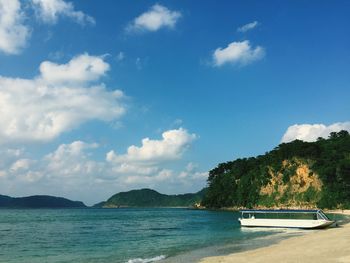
327 245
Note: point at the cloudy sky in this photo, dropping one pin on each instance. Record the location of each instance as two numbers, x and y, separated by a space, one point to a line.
97 98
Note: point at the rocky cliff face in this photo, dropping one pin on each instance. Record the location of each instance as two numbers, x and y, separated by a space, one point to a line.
293 185
294 174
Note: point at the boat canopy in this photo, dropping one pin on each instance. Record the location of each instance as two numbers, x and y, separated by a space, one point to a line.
284 214
278 211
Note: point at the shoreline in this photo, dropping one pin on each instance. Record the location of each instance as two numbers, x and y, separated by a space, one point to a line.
328 245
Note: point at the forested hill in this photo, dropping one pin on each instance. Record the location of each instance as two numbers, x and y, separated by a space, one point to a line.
151 198
295 174
38 201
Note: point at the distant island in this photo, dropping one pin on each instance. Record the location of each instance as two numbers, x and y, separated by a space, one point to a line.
293 175
296 175
38 201
151 198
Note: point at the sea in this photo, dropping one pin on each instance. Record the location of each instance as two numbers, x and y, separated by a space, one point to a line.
125 235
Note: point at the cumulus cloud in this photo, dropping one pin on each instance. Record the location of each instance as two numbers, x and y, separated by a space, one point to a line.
69 171
83 68
154 19
238 53
191 174
72 159
132 168
248 27
9 157
13 33
170 147
72 170
147 180
61 98
15 167
21 164
188 180
146 165
310 132
50 10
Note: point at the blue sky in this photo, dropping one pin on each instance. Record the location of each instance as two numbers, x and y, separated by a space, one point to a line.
83 84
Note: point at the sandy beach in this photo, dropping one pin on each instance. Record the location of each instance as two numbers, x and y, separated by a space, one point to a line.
329 245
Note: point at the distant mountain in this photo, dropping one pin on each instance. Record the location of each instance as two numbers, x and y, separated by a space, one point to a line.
151 198
38 201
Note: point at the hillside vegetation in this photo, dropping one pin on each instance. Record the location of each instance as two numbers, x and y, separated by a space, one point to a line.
151 198
38 201
295 174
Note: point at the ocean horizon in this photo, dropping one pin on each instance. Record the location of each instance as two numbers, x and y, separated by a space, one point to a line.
132 235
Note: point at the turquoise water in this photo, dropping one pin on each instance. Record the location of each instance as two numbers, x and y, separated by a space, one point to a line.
115 235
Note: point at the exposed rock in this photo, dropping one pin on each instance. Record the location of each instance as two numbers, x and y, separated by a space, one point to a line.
293 180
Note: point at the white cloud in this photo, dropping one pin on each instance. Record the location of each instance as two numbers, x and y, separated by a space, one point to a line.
131 168
310 132
60 99
14 152
50 10
67 151
10 156
13 33
83 68
154 19
74 161
169 180
68 171
238 53
190 173
170 147
21 164
145 165
15 168
72 171
71 159
248 27
145 181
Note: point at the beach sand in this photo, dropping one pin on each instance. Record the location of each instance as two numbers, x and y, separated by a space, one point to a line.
328 245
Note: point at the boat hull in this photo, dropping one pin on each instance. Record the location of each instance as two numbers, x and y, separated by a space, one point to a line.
285 223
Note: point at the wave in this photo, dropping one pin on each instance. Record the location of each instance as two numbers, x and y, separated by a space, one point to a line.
146 260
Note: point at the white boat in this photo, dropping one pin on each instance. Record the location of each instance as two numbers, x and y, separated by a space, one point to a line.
306 219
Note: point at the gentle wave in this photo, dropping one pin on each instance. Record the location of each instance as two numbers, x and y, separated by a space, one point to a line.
146 260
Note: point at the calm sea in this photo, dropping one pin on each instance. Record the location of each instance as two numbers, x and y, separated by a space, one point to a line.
121 235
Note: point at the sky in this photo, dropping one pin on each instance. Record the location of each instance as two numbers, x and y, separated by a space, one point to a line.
109 96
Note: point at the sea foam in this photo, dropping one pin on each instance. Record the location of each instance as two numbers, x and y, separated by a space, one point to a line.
146 260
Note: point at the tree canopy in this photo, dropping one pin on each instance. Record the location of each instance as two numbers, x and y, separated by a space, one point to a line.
238 183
